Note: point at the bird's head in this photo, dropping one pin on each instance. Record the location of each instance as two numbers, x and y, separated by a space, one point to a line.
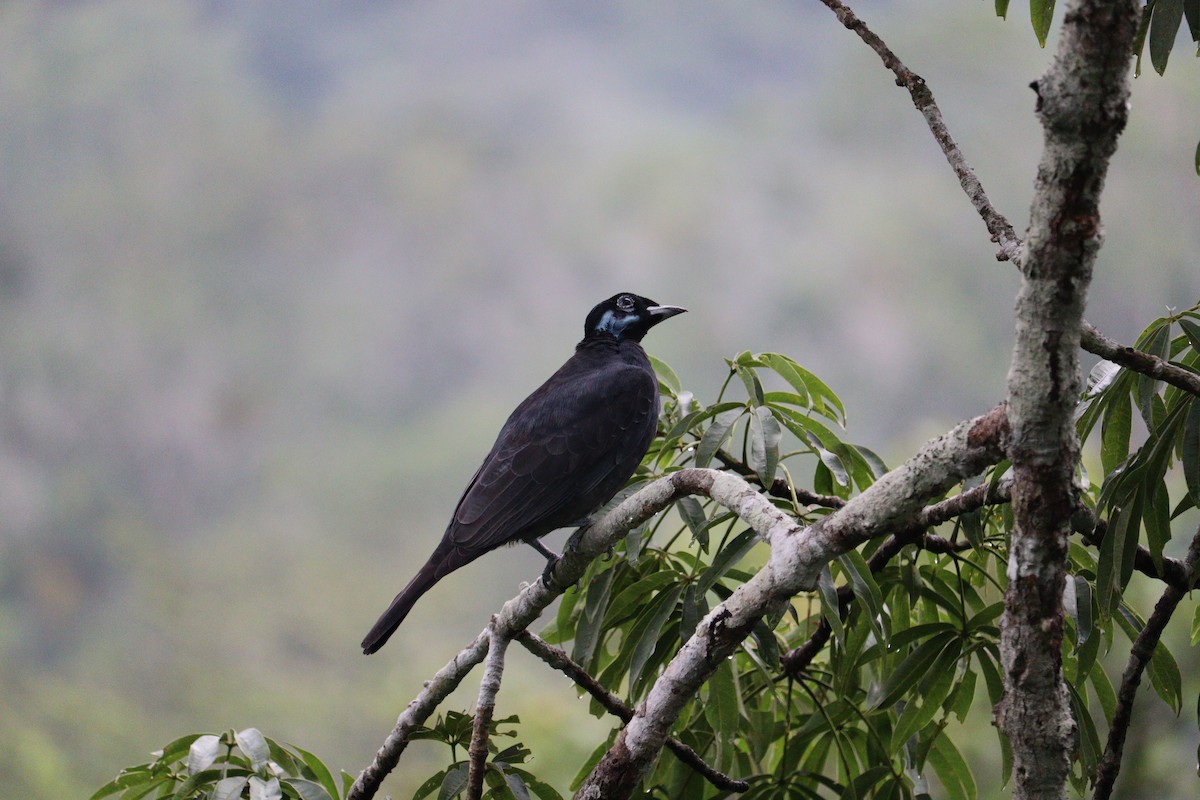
626 316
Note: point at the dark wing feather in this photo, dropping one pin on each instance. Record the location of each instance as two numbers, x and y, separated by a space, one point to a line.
565 450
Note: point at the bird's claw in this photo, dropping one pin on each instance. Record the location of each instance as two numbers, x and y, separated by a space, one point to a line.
548 572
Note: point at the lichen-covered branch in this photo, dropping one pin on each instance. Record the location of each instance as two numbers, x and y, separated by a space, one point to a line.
519 612
1138 361
557 658
1082 104
485 707
436 690
797 556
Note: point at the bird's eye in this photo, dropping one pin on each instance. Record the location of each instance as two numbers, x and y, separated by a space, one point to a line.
625 303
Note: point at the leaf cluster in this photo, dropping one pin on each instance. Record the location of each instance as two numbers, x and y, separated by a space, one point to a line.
229 766
505 780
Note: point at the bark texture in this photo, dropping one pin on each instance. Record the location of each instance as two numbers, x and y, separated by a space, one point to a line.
1082 105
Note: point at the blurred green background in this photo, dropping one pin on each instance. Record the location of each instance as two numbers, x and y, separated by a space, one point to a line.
273 273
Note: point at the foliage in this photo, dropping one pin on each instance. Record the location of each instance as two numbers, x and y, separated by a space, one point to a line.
912 635
504 779
233 765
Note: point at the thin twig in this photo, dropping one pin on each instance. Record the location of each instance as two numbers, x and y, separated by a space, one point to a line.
1139 656
1139 361
998 226
557 658
779 487
485 707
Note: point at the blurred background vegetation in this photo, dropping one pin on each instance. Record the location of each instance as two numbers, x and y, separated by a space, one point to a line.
273 273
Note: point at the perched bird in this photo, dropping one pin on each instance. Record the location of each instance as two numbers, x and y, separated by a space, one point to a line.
564 451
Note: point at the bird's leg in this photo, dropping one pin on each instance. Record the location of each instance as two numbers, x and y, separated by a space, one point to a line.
551 557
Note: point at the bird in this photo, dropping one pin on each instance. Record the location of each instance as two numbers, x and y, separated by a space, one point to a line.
563 453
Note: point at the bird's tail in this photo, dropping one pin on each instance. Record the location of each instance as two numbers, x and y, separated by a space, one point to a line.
439 565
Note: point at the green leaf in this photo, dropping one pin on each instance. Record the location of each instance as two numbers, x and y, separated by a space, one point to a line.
722 708
934 691
863 584
754 389
953 771
1115 432
964 695
1157 519
1041 13
254 745
1191 9
1002 9
765 435
1190 450
430 786
829 603
176 750
319 770
1139 36
1157 343
730 555
1190 329
661 610
1168 14
913 668
714 436
1087 738
822 398
454 782
587 631
665 373
132 776
1196 627
693 514
543 790
635 595
1104 692
1166 678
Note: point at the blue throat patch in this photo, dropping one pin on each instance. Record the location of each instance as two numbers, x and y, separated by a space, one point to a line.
615 325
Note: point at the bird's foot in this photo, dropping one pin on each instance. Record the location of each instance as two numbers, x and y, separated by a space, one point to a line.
548 572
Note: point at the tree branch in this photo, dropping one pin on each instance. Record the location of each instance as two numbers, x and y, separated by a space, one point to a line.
1139 657
557 658
1138 361
1000 229
797 556
436 690
1082 105
485 707
518 613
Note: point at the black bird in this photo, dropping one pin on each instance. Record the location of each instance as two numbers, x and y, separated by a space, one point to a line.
563 452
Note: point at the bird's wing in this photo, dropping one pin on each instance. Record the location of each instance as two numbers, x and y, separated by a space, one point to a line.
568 443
